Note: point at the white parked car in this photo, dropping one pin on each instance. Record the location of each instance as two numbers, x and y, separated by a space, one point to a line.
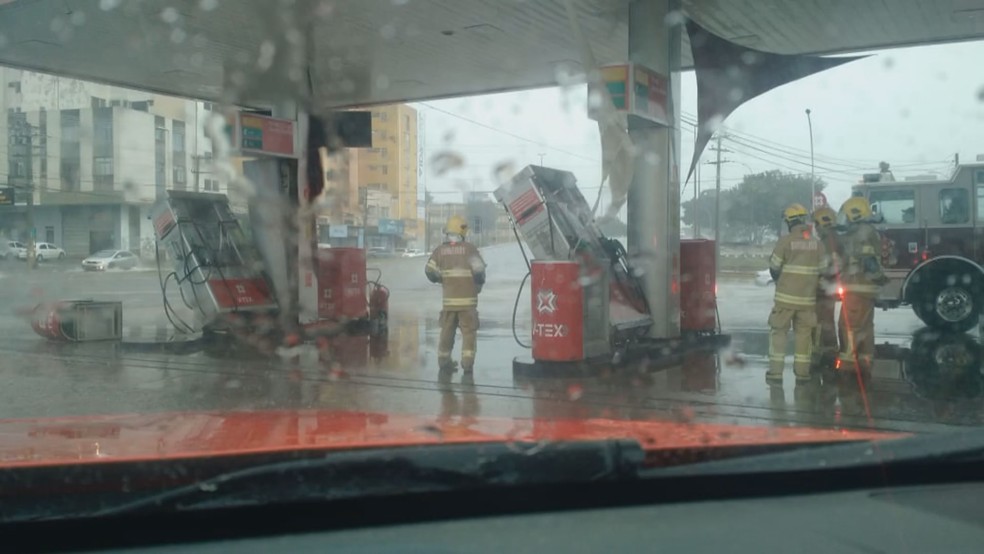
11 249
45 251
110 259
763 278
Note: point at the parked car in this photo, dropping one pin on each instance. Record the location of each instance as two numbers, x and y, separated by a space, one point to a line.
411 253
110 259
11 249
44 251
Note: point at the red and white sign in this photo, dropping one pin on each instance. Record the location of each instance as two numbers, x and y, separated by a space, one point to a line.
819 200
240 293
525 206
558 312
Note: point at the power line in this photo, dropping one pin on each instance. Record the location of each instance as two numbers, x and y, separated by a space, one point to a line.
508 133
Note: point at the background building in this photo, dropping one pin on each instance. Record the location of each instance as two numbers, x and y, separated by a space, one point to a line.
96 157
374 190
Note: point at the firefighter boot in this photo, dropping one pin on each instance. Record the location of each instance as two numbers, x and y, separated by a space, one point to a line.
779 321
449 325
468 322
804 328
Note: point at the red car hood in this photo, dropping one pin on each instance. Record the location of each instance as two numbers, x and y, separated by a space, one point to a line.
141 437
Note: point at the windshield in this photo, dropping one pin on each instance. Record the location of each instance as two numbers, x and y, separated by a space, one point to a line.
605 250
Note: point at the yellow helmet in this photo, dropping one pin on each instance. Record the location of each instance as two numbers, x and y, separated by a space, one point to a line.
824 217
794 212
456 226
856 208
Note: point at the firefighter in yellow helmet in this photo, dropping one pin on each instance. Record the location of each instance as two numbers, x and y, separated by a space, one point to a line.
826 348
796 264
460 269
861 278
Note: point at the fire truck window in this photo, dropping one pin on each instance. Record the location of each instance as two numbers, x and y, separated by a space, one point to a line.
954 206
980 203
895 206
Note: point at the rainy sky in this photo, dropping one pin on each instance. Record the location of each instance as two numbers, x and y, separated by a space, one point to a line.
913 107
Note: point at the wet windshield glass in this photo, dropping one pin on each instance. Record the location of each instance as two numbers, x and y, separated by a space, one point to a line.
345 234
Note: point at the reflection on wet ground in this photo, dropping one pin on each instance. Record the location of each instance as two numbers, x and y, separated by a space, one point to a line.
925 383
921 381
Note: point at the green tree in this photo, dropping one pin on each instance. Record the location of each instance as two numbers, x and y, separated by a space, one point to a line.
753 209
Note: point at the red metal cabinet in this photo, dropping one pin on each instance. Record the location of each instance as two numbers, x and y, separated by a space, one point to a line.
698 284
342 284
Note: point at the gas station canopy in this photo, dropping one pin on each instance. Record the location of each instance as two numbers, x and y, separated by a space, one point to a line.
375 51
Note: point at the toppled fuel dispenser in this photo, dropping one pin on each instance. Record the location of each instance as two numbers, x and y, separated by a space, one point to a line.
588 304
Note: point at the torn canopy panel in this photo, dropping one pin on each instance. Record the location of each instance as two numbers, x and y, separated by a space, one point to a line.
728 75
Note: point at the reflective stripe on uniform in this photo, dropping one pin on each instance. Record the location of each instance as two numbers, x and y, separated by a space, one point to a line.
460 302
801 269
467 353
775 262
868 250
861 288
456 273
796 300
432 265
803 358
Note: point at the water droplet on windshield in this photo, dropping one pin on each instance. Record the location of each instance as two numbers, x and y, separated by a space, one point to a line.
208 487
267 51
169 15
208 5
446 161
106 5
675 17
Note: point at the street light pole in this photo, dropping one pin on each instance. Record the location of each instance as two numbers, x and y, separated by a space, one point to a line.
541 154
813 180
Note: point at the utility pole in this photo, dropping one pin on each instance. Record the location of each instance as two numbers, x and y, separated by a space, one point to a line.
717 197
541 154
813 180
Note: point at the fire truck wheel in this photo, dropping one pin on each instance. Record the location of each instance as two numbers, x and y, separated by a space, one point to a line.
948 308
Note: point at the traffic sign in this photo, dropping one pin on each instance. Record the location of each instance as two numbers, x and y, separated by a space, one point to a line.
819 200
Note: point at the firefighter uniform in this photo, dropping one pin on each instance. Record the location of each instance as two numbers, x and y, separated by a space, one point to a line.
796 265
826 344
459 268
862 278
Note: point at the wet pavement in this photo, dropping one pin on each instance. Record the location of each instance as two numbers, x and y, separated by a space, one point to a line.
921 382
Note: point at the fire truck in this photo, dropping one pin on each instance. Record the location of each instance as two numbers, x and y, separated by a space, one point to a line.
932 245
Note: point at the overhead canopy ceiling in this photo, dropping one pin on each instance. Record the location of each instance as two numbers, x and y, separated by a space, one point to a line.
372 51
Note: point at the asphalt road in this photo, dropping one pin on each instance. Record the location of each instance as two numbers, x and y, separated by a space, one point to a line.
41 378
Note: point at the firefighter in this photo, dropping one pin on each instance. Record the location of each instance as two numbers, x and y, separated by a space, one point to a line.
825 220
459 268
861 278
796 264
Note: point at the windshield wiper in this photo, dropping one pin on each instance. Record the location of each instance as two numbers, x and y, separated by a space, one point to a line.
371 472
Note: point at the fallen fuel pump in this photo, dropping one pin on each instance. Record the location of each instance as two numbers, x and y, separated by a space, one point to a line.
222 279
224 284
588 305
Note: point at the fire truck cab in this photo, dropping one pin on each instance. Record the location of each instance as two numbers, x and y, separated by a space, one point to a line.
932 245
